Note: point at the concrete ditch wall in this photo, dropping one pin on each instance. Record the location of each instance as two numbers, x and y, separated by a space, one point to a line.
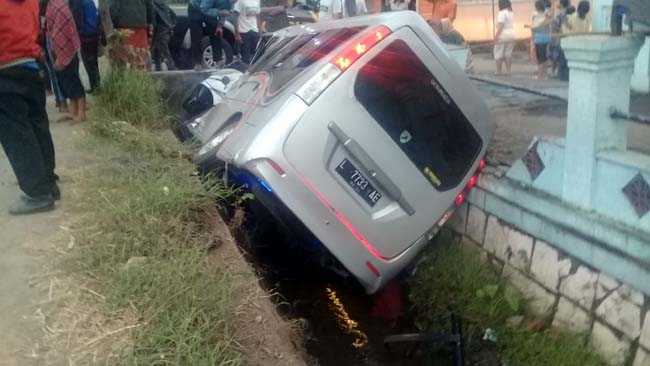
562 289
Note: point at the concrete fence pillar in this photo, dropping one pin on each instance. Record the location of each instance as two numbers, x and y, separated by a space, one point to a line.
600 70
641 76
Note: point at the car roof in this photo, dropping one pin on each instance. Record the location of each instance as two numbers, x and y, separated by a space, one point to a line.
392 20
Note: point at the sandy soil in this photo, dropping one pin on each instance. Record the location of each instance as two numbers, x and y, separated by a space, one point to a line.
25 244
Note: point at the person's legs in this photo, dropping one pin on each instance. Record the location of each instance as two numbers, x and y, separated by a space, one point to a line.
155 51
542 60
254 39
196 34
73 89
509 48
21 91
41 127
498 56
564 67
89 53
163 49
245 50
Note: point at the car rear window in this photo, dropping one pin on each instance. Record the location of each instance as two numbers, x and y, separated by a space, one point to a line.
407 100
297 54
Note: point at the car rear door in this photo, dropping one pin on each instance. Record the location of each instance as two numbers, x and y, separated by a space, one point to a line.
385 145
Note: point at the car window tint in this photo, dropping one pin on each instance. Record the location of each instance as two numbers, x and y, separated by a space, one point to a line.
302 52
406 99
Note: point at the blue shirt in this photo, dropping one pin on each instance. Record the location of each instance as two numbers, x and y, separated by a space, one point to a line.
211 7
541 36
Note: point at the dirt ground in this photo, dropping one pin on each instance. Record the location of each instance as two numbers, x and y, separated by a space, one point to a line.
25 244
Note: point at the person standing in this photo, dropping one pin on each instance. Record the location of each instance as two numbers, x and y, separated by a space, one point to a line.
86 19
136 18
247 28
62 33
444 9
163 29
213 13
24 127
353 8
505 37
273 15
540 38
330 10
578 21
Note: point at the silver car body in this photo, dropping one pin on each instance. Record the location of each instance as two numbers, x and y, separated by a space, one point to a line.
311 148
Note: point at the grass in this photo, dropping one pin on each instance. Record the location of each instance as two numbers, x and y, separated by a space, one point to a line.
148 209
131 96
453 276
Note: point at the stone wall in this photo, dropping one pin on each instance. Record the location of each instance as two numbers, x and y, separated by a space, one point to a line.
563 290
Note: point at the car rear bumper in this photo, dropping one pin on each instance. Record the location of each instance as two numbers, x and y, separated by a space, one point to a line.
326 224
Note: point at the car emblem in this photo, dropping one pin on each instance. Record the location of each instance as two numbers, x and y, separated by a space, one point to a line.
405 137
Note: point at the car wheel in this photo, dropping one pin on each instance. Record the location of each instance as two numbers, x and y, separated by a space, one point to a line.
206 55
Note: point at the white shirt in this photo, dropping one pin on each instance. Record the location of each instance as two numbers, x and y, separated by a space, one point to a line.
507 18
328 8
395 6
248 11
361 8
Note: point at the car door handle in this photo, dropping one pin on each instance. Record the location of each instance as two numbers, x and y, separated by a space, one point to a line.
376 173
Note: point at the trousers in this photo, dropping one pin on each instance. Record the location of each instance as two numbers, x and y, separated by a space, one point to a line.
24 130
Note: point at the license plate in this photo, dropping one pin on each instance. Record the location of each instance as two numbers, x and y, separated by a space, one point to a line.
358 182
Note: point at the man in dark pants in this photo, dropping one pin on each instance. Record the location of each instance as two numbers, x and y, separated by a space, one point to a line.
86 19
163 29
24 127
213 13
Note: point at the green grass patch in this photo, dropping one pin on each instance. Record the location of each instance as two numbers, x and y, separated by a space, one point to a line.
145 204
454 277
131 96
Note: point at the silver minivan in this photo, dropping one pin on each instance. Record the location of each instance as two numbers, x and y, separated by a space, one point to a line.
364 129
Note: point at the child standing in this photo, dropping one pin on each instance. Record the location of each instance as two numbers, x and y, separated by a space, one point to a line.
540 38
61 31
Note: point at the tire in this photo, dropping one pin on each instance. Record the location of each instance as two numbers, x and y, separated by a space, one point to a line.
206 52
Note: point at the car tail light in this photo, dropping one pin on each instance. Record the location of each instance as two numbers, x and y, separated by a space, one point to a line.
276 167
358 48
373 269
341 62
472 181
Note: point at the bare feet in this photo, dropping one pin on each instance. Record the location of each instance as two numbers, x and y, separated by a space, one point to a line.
64 117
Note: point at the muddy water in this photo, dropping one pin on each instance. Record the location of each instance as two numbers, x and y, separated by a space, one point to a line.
339 330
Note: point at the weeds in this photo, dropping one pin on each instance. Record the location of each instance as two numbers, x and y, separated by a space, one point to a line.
151 226
131 96
454 277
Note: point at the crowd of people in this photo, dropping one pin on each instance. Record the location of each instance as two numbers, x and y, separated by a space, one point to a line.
548 26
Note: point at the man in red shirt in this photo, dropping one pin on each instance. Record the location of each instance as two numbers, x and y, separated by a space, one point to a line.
24 126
